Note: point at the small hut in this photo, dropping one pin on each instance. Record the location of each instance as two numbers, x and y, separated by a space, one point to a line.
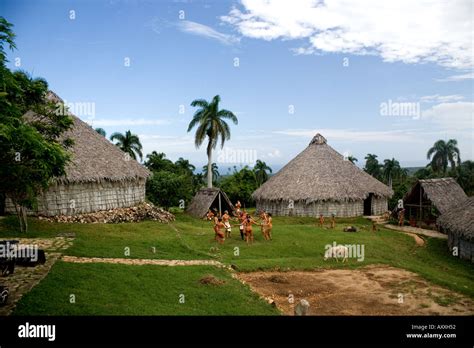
209 198
99 176
321 181
458 223
429 198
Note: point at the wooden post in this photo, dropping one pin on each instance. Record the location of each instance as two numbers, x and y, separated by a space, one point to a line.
421 208
220 207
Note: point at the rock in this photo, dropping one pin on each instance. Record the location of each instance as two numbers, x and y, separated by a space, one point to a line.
302 308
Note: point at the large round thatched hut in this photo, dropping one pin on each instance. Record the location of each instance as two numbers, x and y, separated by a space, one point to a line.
320 181
457 222
99 177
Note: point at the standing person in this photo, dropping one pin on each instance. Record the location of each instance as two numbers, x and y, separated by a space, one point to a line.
248 222
263 217
268 225
220 237
333 221
225 220
241 218
237 208
401 217
321 220
209 215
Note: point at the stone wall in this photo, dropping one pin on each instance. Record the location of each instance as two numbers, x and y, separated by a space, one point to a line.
77 198
340 209
465 248
379 205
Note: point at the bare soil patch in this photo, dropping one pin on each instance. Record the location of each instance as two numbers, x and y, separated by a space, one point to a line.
372 290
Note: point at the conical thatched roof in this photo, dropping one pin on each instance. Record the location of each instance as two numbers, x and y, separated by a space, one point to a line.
320 173
444 193
459 219
93 157
207 198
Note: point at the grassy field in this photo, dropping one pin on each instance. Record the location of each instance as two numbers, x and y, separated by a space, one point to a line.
297 245
108 289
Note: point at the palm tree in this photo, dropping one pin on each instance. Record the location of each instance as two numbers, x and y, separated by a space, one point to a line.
158 162
352 159
128 143
101 131
372 165
185 165
391 169
211 125
214 169
260 170
444 152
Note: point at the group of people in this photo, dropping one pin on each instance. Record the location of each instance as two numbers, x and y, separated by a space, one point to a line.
333 221
222 224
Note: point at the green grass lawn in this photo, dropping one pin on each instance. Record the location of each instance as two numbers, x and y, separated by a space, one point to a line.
108 289
297 245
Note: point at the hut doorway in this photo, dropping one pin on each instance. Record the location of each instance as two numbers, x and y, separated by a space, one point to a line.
2 204
368 204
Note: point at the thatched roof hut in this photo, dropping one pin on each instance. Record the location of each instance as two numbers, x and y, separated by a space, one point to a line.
320 181
99 176
458 223
209 198
429 198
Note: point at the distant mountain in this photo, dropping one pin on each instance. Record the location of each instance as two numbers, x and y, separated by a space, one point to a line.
412 170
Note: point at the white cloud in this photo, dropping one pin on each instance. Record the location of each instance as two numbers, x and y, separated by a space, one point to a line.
457 116
207 32
353 135
441 98
399 30
459 77
273 154
125 122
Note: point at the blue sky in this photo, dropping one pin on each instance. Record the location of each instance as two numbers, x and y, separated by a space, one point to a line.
303 67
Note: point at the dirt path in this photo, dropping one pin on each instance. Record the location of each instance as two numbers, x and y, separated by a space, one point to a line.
419 241
158 262
372 290
416 230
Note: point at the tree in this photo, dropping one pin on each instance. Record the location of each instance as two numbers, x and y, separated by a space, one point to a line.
442 153
465 176
168 188
158 162
391 168
184 166
32 148
128 143
101 131
211 124
372 166
352 159
260 170
240 186
214 173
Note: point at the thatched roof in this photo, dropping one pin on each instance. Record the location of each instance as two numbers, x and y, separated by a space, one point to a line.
94 158
459 219
207 198
320 173
444 193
